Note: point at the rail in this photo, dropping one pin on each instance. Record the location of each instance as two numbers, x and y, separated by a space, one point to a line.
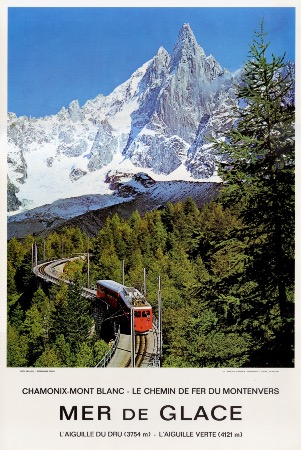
155 360
40 271
47 271
109 354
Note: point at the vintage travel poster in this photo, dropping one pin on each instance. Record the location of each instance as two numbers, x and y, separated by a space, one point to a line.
149 266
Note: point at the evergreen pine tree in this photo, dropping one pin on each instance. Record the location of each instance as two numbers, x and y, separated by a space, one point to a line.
260 166
258 175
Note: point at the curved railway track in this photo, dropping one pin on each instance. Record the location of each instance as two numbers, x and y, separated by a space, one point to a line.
145 345
48 271
141 349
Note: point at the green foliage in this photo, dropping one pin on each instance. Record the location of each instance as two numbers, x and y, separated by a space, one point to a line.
84 356
99 349
72 318
48 359
258 171
73 270
48 330
15 252
11 273
63 351
227 271
17 348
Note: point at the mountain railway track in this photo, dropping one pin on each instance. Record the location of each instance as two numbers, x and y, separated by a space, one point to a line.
145 344
140 350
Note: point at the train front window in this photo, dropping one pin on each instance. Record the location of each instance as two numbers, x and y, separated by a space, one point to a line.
100 290
137 313
145 313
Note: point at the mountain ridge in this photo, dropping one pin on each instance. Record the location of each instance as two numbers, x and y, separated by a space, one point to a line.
140 193
156 121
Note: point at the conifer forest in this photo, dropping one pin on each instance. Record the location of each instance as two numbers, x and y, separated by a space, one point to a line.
227 270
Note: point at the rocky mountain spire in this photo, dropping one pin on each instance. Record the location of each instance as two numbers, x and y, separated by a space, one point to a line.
151 121
186 47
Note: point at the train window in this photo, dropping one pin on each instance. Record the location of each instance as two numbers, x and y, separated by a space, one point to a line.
137 313
145 313
101 293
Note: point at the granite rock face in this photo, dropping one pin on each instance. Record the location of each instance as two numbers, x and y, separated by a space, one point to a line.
185 97
158 121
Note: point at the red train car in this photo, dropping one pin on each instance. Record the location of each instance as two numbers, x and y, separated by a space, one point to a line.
123 300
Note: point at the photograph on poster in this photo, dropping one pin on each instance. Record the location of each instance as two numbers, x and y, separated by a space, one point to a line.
151 187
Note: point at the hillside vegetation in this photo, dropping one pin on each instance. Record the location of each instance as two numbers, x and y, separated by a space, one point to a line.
227 270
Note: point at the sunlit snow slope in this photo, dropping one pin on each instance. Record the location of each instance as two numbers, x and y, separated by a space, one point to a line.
157 122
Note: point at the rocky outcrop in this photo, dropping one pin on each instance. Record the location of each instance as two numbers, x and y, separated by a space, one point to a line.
182 109
160 120
76 174
13 202
75 112
104 147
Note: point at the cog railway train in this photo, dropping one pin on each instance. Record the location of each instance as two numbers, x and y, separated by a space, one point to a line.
123 300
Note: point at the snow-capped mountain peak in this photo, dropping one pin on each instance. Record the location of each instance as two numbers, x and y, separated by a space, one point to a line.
186 47
156 121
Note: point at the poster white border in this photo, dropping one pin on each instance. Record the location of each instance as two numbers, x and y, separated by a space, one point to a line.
272 422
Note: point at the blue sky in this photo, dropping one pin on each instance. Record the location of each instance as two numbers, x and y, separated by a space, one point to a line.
56 55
